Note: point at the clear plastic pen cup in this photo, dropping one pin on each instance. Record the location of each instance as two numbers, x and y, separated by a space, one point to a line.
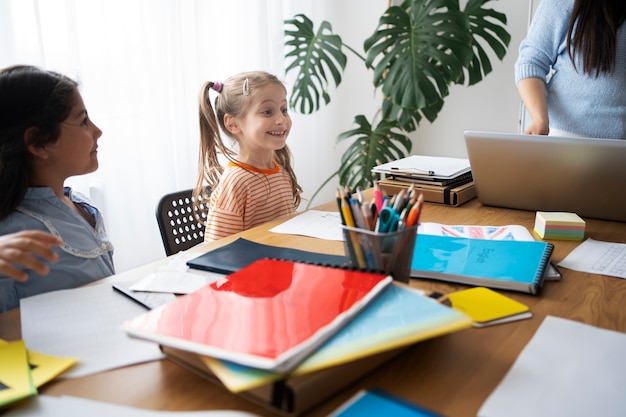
389 253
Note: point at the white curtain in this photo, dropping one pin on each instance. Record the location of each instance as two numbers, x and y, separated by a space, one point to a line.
140 64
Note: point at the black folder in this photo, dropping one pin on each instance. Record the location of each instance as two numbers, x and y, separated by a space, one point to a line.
241 252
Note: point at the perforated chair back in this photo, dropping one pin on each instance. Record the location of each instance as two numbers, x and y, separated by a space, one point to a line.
178 226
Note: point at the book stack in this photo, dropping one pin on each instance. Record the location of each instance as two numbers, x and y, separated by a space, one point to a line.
288 334
442 180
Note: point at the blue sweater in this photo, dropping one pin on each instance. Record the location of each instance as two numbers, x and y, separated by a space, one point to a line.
577 103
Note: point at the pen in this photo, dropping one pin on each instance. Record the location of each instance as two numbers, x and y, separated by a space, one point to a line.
359 192
398 202
357 213
374 211
367 216
414 171
378 196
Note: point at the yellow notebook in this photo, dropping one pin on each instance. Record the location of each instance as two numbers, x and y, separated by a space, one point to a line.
15 379
487 307
44 368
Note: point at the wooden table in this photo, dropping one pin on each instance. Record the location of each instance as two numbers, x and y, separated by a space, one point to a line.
453 374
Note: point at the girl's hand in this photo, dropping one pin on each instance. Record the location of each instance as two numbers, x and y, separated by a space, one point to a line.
24 248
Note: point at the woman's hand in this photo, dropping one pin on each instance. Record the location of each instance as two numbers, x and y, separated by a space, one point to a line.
25 248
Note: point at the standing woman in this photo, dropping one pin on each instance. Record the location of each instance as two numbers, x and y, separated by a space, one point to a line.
46 136
571 69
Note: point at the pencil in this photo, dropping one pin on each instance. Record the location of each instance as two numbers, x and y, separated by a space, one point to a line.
378 196
358 252
338 197
413 215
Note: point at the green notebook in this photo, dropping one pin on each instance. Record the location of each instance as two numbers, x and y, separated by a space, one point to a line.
505 264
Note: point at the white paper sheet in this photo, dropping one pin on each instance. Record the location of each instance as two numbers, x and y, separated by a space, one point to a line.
314 223
596 257
567 369
176 277
67 406
85 323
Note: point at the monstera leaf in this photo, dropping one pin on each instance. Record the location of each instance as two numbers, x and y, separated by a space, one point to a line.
485 24
417 51
314 55
370 148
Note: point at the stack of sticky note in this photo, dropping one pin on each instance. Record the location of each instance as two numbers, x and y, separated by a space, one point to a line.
559 225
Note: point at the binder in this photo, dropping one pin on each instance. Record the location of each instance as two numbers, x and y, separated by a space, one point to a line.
450 195
506 264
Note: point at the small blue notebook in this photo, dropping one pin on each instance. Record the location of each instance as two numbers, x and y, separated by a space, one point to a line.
506 264
377 402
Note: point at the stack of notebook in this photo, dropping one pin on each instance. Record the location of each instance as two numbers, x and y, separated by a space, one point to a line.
441 180
288 334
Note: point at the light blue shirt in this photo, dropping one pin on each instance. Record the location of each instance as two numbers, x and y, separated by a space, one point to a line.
577 102
86 254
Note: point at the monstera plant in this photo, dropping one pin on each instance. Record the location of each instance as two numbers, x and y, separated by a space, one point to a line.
418 50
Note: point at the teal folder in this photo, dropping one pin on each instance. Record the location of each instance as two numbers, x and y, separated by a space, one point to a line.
506 264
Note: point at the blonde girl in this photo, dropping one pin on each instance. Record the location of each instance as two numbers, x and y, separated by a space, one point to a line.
258 183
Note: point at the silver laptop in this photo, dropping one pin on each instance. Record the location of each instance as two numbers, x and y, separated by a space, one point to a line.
581 175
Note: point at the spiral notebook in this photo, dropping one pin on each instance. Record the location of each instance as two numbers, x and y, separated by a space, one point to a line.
506 264
270 315
241 252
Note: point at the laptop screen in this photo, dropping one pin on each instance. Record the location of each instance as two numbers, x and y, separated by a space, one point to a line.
585 176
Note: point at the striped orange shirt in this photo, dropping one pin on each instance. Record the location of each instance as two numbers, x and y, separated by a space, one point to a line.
246 197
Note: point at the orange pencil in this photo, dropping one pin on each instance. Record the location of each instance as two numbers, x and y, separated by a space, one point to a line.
413 216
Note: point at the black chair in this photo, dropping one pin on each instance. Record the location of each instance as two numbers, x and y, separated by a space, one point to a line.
180 230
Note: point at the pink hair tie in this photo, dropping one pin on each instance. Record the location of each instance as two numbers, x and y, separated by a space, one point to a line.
217 86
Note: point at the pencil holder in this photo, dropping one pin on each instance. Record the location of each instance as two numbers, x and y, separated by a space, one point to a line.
390 253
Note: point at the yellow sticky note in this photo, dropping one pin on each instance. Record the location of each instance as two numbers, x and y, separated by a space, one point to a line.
484 305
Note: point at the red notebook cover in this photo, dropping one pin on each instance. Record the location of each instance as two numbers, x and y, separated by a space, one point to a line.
271 314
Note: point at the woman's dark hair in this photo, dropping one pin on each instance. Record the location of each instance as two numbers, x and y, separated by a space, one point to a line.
592 34
29 98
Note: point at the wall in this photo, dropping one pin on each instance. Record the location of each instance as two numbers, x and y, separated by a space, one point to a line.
493 104
312 138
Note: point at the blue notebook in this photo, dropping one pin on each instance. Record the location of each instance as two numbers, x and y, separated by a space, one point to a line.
377 402
506 264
